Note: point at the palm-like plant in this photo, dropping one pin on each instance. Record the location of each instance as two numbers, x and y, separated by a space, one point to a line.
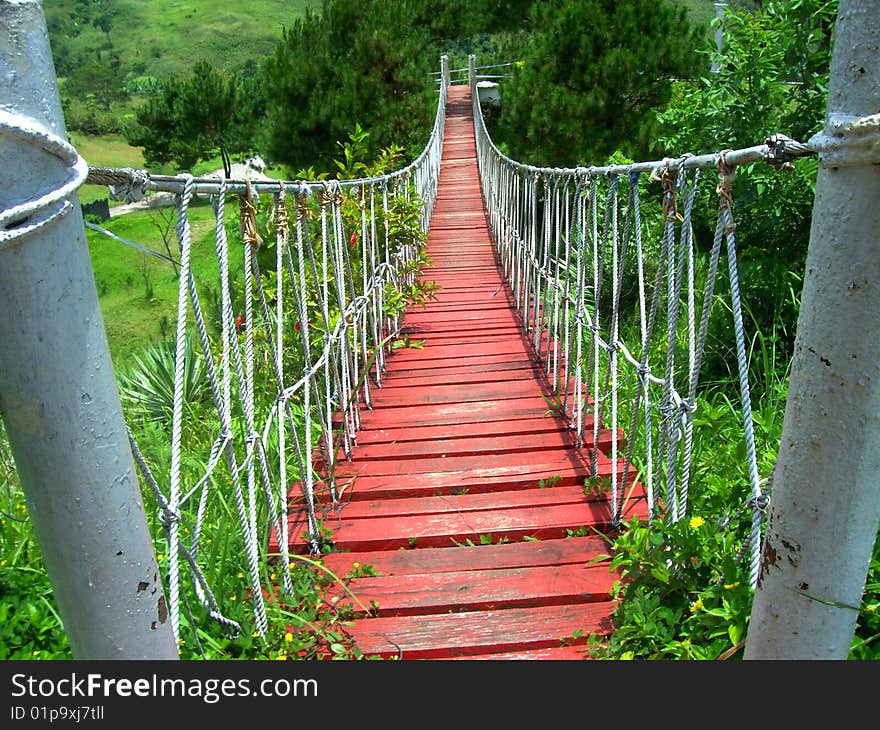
148 386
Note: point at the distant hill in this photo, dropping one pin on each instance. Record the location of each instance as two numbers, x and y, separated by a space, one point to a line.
163 37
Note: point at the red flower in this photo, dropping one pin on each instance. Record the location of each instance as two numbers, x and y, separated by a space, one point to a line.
297 326
353 241
239 321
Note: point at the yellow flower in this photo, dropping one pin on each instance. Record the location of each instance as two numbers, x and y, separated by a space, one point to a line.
288 637
255 635
355 565
730 586
697 522
181 642
696 605
241 575
36 653
232 598
281 657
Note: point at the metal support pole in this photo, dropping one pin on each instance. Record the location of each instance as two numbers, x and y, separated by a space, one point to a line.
472 72
444 71
58 394
826 494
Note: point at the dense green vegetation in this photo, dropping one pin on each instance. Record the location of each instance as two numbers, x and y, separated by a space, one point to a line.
289 80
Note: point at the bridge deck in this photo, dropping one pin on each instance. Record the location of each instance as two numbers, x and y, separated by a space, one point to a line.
462 448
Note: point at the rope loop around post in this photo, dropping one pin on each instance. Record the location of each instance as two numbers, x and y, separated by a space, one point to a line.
20 221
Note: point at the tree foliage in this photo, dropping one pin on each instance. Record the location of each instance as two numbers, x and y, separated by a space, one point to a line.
368 62
192 119
772 78
592 75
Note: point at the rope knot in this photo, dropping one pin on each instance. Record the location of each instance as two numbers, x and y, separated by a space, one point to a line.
248 218
759 502
668 179
282 226
133 189
167 517
726 176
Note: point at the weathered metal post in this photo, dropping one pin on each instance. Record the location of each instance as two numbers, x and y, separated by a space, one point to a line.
826 492
58 394
444 71
472 72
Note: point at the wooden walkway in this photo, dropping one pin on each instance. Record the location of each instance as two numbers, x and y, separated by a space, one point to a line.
465 485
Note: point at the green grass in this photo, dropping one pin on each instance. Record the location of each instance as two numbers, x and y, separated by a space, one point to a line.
138 292
169 35
108 150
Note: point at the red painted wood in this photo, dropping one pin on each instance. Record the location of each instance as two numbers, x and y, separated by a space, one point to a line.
444 530
516 499
562 551
475 445
487 465
473 481
427 593
443 636
499 427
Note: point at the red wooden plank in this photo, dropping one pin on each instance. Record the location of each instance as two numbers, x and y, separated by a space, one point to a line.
443 636
459 393
484 444
439 414
484 464
473 481
479 557
393 533
460 430
426 593
453 376
519 499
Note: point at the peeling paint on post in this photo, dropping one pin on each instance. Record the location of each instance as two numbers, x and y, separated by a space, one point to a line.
826 495
58 394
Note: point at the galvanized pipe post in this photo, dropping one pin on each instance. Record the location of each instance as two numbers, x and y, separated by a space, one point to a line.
825 503
58 395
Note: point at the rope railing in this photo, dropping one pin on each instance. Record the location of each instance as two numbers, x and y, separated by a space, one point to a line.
588 267
325 265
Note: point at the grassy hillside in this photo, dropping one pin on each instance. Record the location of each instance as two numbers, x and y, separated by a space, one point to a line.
163 37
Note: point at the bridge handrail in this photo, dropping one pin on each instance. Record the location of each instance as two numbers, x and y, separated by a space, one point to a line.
337 375
558 237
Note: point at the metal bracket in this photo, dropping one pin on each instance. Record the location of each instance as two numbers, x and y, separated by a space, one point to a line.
848 141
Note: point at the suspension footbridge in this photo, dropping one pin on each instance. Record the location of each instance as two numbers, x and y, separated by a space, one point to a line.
458 465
